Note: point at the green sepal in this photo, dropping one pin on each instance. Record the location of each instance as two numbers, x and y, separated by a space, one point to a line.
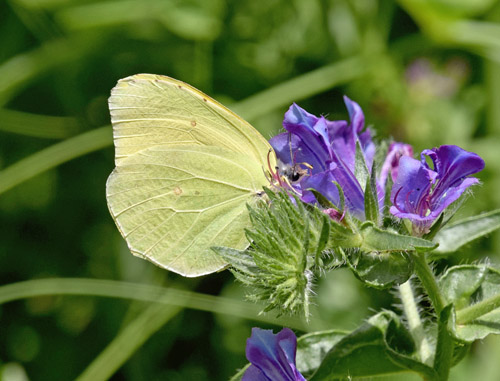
436 226
371 198
327 204
323 239
361 171
387 198
341 196
322 200
382 345
286 241
242 263
453 237
474 291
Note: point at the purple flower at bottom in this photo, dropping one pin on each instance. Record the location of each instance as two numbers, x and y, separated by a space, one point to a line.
421 193
272 357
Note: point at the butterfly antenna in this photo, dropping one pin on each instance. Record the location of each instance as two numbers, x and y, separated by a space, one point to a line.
274 176
292 155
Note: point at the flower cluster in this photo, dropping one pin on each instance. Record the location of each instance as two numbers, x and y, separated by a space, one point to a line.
315 153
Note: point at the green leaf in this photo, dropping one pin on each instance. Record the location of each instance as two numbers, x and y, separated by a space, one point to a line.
475 292
375 239
380 346
313 347
381 269
455 236
384 259
341 236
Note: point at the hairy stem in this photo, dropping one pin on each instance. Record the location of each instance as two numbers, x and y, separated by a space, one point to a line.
444 344
426 277
415 323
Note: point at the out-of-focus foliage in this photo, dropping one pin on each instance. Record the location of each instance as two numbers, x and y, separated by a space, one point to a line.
424 71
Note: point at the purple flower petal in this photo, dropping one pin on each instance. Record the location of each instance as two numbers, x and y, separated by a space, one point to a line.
254 374
272 355
355 115
343 138
412 186
452 165
313 133
421 194
329 147
323 183
391 162
353 191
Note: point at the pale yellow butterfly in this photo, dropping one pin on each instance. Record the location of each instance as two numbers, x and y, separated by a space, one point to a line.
186 167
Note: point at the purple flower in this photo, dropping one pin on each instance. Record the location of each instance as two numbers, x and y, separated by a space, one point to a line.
326 151
421 193
272 357
391 162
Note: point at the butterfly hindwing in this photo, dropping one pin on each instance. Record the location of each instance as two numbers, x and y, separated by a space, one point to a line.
173 203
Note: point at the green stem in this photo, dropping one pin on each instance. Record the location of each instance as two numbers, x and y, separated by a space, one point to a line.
444 345
429 282
53 156
148 293
128 341
415 323
477 310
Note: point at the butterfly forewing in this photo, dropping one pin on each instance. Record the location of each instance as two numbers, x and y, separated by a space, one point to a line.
148 110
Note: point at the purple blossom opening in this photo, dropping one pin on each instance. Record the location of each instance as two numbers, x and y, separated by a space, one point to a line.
421 193
272 356
326 150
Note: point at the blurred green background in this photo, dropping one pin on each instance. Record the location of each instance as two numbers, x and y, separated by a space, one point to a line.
424 71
